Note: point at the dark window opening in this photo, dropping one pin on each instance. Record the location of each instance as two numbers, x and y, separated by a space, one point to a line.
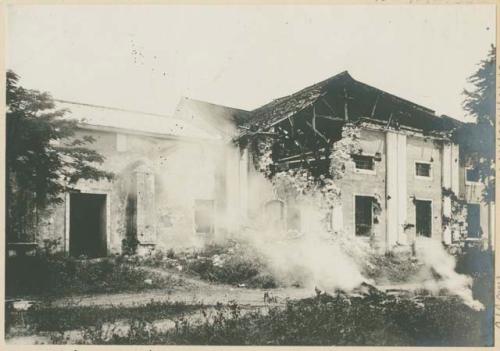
473 221
364 215
204 216
423 169
423 214
472 175
87 226
363 162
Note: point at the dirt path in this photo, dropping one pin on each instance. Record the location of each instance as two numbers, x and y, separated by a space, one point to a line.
194 291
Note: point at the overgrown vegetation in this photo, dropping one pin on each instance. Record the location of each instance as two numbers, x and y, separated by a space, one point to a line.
57 275
373 319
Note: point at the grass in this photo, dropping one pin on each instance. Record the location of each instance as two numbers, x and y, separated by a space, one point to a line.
52 276
376 319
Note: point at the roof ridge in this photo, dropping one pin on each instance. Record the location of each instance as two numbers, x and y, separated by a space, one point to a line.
317 84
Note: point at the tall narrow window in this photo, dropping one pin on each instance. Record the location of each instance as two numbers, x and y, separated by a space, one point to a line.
423 215
204 216
364 215
473 221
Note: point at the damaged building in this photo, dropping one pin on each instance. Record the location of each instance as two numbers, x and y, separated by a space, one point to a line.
186 179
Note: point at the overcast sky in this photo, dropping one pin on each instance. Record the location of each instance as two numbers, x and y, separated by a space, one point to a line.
146 57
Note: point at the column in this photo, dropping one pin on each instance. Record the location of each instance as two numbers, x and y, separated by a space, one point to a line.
244 185
396 187
446 183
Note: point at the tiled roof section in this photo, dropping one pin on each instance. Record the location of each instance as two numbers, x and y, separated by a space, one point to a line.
133 121
282 108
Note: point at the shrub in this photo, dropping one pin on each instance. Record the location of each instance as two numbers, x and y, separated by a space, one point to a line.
227 264
376 319
60 275
48 318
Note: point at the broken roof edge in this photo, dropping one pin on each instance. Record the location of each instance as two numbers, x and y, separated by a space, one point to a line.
321 85
343 74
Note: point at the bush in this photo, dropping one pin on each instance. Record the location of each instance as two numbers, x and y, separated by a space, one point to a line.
229 265
58 319
376 319
60 275
392 268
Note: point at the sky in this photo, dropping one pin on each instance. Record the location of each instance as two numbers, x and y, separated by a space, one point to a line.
145 58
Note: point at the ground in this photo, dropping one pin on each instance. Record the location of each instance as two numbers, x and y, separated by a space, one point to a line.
193 295
165 303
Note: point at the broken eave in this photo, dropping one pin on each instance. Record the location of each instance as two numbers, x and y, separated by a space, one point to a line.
344 99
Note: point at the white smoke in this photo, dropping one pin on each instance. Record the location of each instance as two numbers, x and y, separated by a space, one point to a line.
443 274
312 256
316 257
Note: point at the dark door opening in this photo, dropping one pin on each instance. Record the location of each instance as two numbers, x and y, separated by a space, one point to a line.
87 226
473 221
423 215
363 215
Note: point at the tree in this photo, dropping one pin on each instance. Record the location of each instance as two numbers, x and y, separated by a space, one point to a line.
477 140
43 158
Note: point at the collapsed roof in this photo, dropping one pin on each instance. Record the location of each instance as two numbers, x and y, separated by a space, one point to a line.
344 98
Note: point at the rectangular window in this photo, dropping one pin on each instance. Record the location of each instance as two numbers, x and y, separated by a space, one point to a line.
422 169
204 216
364 215
473 221
423 215
363 162
472 175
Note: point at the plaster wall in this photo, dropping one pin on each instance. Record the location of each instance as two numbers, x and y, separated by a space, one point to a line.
181 173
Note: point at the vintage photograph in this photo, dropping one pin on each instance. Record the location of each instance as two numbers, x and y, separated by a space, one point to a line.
250 175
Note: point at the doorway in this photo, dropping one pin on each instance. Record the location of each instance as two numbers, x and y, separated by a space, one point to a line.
87 225
423 215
